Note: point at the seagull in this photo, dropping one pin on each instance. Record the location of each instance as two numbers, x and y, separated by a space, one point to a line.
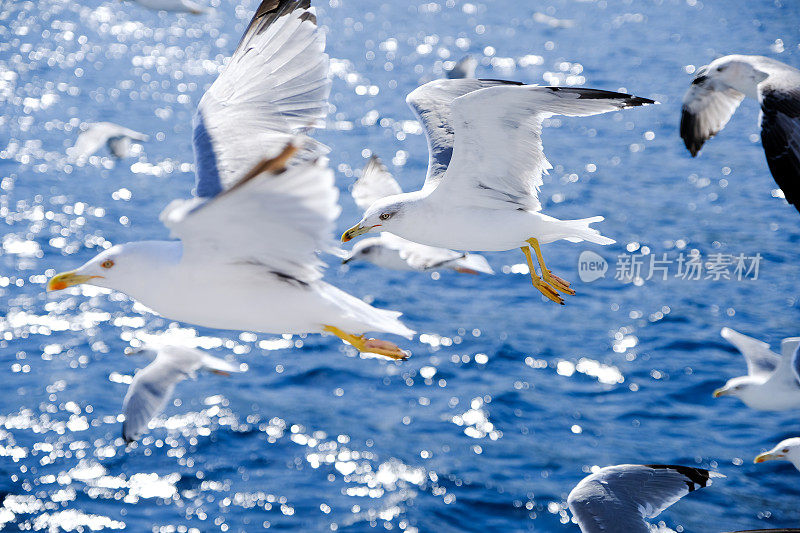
485 169
621 498
788 450
772 382
179 6
117 138
718 89
153 386
393 252
465 68
247 254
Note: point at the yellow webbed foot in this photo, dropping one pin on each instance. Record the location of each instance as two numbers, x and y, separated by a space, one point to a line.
540 284
376 346
558 283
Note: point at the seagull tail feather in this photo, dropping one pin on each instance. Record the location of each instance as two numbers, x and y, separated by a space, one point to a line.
580 230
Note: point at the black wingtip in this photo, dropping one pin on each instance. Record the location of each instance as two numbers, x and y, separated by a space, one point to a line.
584 93
688 132
695 477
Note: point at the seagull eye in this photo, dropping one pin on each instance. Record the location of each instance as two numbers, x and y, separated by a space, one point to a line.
385 216
785 450
108 263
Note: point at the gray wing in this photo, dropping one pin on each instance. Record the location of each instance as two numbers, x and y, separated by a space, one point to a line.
275 85
431 103
465 68
148 395
621 498
707 107
787 374
780 137
376 182
760 359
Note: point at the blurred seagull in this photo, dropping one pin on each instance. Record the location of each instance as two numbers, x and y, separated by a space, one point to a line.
787 450
179 6
716 92
396 253
465 68
153 386
485 169
621 498
117 138
772 382
247 255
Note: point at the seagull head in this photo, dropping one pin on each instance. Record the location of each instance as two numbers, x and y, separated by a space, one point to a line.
383 215
740 387
363 251
123 267
786 450
738 72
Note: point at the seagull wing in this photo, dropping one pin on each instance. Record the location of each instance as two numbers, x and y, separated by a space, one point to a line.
465 68
376 182
780 137
620 498
787 373
498 157
274 219
275 85
761 361
148 395
98 134
431 103
420 256
707 107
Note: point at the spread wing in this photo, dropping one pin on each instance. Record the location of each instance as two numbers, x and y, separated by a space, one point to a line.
275 85
376 182
498 157
761 361
787 373
707 107
431 103
780 137
274 218
148 395
620 498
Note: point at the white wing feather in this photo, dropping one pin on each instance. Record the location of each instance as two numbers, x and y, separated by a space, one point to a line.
376 182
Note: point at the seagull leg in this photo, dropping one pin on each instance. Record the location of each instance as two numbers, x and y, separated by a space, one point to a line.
543 287
362 344
547 275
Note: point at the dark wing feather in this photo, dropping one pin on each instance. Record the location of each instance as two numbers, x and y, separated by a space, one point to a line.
780 137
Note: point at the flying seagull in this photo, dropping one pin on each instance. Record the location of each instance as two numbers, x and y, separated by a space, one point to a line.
485 169
153 386
621 498
718 89
396 253
787 450
178 6
465 68
117 138
772 382
247 254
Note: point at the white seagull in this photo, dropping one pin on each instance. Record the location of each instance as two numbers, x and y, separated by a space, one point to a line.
247 254
485 169
716 92
153 386
772 382
117 138
178 6
621 498
464 68
787 450
393 252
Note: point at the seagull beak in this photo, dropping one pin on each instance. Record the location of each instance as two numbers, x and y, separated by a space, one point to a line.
767 456
67 279
355 231
347 259
720 392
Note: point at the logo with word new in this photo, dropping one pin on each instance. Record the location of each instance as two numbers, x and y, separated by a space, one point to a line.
591 266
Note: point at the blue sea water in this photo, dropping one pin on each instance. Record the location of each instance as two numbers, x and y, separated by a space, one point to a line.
509 400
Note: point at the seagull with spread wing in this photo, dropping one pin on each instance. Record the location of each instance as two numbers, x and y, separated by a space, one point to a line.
620 498
717 90
117 138
393 252
247 254
484 171
772 382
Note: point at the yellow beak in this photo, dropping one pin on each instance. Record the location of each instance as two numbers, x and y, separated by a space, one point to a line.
67 279
767 456
355 231
720 392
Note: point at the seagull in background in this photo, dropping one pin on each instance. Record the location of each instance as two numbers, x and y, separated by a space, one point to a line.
786 450
465 68
620 498
118 139
393 252
772 382
153 386
717 90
